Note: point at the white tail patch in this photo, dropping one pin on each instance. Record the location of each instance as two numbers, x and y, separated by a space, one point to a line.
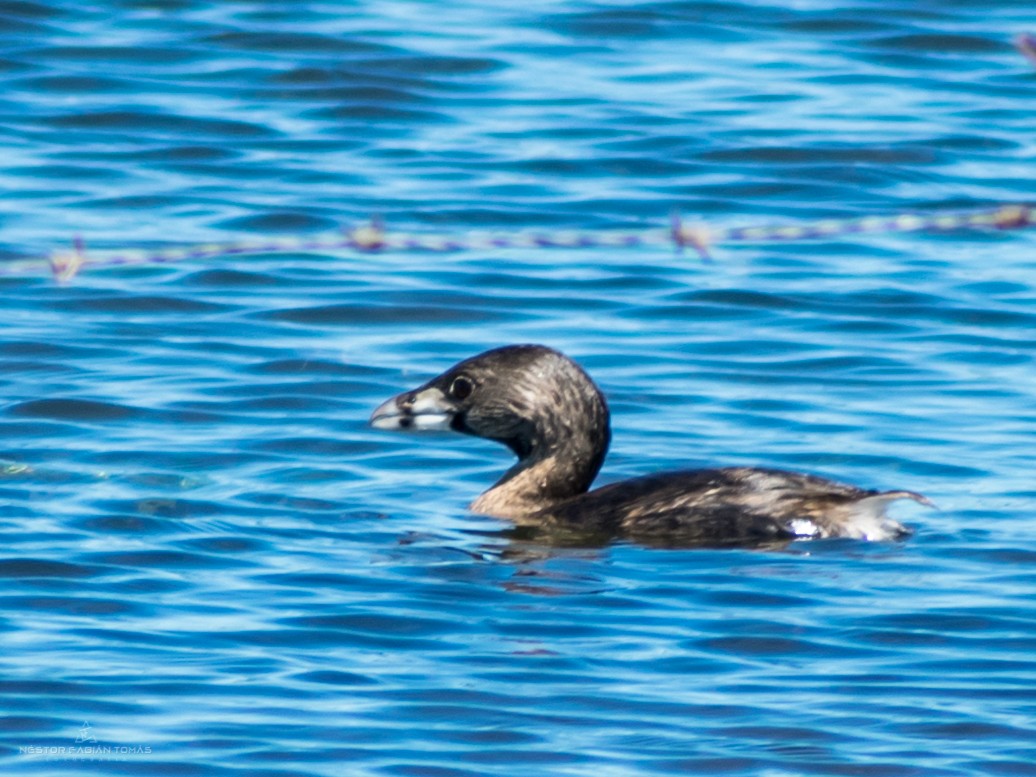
804 528
869 520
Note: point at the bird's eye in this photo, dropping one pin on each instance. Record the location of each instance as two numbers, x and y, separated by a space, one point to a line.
461 388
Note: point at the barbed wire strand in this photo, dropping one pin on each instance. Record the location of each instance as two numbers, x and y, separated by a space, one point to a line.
373 238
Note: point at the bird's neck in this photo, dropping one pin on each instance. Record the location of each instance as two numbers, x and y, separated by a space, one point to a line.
562 462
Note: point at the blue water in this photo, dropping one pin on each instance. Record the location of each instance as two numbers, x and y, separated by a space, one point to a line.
211 566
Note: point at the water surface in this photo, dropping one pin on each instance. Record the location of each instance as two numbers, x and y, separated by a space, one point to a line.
212 566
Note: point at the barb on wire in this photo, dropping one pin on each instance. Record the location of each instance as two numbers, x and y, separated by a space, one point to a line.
1026 44
373 238
694 235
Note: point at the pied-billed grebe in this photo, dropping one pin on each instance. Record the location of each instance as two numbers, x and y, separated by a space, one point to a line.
546 409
